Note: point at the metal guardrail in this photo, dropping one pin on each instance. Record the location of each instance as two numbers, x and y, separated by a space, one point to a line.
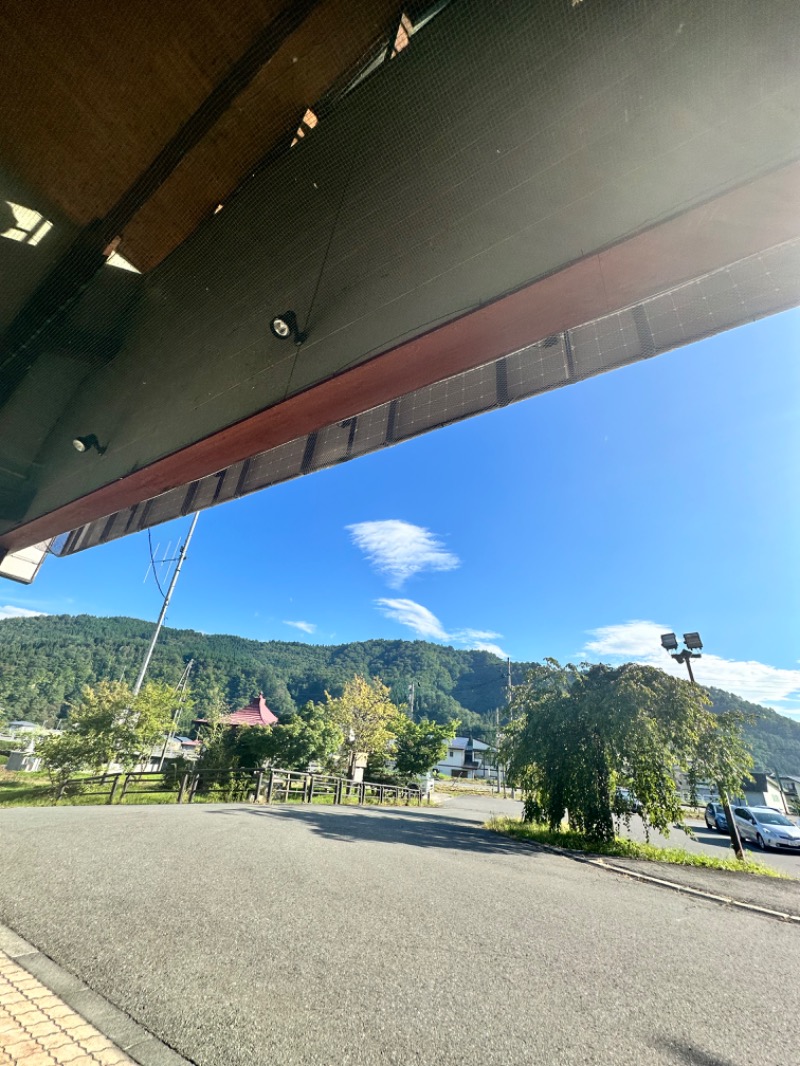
237 785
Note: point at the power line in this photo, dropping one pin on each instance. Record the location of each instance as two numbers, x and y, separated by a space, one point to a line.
153 564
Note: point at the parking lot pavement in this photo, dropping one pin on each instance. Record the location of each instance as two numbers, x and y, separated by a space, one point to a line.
710 842
242 936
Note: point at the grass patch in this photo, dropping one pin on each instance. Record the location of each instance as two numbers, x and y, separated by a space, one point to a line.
463 787
622 847
24 789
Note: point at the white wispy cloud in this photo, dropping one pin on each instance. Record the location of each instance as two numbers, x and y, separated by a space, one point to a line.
9 611
415 616
398 549
426 625
306 627
493 649
640 641
477 634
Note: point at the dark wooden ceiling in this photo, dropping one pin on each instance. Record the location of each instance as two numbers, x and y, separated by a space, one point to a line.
94 91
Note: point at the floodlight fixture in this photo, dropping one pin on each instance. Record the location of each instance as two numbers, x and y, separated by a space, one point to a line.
285 326
86 443
692 641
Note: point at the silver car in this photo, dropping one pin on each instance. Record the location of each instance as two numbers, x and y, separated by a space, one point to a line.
767 828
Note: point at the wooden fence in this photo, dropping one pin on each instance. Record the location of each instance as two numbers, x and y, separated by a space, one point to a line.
238 786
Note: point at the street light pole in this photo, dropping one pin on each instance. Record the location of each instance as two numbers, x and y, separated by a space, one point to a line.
686 657
693 644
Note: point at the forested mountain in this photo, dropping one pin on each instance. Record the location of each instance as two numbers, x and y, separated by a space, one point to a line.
44 661
774 739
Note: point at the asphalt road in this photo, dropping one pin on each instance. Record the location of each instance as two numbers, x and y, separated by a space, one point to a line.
709 842
319 935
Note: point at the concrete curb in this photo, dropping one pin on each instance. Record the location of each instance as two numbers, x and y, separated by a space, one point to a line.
129 1036
660 882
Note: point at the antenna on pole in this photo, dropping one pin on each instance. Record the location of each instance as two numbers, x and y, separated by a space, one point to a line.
149 654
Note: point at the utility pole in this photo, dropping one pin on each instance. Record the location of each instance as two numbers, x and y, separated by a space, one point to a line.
180 692
783 794
411 693
149 655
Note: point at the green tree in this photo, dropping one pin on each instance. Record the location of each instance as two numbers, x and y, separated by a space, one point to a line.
150 718
305 737
419 745
582 733
108 724
363 713
64 755
232 747
301 738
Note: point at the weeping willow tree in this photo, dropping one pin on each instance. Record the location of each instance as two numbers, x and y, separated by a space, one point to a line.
585 737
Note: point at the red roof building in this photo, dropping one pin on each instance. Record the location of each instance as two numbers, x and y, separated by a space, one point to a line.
255 713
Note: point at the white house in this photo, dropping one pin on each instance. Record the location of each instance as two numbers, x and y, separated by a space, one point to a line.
20 727
791 788
763 791
468 758
704 792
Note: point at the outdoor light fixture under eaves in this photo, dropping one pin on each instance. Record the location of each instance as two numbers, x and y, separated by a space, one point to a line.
85 444
285 326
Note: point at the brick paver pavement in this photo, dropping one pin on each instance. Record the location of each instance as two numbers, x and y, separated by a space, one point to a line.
39 1029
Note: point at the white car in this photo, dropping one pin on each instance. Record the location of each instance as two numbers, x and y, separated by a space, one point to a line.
767 828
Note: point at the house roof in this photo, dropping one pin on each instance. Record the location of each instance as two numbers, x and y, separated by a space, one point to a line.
463 742
759 781
255 713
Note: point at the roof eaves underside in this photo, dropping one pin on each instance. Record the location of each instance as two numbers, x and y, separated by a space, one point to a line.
217 89
749 289
503 187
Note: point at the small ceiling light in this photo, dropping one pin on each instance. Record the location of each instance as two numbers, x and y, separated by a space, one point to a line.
285 326
669 641
85 444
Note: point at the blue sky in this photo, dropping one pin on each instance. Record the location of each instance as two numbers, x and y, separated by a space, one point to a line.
581 523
